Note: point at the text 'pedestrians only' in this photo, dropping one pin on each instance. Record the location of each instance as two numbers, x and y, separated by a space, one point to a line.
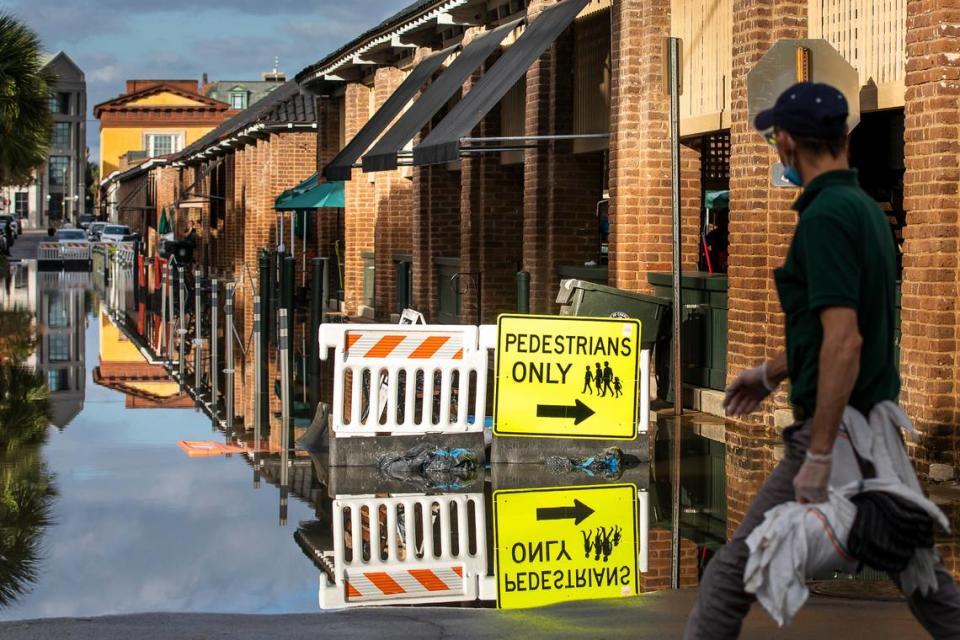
562 544
564 377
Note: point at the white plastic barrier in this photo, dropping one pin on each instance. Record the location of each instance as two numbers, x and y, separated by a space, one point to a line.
411 549
408 379
56 251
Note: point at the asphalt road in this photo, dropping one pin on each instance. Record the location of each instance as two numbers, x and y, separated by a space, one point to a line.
659 615
25 247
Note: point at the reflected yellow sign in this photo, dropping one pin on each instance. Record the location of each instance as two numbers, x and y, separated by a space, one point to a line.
566 377
562 544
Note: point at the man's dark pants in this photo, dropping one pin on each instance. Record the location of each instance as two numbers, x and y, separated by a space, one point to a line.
721 601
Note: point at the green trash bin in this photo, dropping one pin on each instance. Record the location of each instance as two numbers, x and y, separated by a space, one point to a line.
582 298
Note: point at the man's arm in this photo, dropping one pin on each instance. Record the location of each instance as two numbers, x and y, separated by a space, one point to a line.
839 368
838 371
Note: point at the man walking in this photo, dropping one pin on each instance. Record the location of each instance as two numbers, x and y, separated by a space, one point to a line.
837 290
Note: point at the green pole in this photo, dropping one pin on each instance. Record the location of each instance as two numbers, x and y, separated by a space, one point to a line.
523 292
287 283
318 273
266 291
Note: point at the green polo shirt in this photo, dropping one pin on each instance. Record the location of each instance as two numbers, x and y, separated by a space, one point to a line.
841 255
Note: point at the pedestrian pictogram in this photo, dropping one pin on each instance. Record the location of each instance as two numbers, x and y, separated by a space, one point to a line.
562 544
566 377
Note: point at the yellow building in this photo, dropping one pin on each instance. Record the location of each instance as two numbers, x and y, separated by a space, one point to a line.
154 118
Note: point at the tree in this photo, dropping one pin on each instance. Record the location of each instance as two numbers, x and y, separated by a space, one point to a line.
25 86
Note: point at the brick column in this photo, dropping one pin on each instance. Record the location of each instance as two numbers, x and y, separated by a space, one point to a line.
931 280
328 231
393 201
491 219
640 196
360 213
761 226
436 231
561 189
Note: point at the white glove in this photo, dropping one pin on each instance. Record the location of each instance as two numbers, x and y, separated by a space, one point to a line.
747 391
810 483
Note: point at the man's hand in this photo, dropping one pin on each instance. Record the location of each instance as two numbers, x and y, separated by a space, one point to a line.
747 391
811 482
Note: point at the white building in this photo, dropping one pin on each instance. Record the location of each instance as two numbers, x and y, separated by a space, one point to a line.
58 190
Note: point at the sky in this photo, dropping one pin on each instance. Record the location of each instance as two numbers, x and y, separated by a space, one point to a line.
116 40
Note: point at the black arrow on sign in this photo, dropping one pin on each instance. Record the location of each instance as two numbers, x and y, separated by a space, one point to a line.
579 512
579 411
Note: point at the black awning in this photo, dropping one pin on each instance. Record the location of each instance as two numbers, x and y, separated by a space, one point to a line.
340 167
443 143
383 155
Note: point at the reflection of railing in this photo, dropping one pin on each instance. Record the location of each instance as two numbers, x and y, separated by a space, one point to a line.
405 550
870 35
410 379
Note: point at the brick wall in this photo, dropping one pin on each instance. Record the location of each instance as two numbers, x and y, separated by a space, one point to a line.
435 202
329 231
660 562
640 196
491 220
393 233
931 280
360 200
561 189
761 225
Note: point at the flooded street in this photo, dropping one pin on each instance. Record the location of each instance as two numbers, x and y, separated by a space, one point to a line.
135 524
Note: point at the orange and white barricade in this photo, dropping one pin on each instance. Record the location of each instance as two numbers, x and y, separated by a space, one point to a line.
407 549
408 379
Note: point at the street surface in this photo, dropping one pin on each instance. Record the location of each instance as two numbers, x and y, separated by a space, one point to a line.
25 248
657 615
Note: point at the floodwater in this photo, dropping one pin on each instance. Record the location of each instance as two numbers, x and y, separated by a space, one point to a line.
105 513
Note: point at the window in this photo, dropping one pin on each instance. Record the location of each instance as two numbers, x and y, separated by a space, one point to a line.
20 203
238 100
61 135
57 170
161 144
55 206
57 312
59 345
59 103
57 380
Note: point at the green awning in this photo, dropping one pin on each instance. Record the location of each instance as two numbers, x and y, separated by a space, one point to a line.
716 199
311 194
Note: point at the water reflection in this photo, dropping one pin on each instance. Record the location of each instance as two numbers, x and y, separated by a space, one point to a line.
142 526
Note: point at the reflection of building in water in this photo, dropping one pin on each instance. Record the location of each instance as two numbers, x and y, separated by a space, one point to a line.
58 303
124 368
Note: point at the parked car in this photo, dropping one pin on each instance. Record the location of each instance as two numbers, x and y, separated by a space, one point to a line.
14 221
114 233
85 220
94 231
4 248
65 234
6 228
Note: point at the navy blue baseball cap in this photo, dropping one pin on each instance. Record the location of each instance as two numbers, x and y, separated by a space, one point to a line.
809 110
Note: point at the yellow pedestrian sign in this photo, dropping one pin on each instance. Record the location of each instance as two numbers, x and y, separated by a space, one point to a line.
563 544
566 377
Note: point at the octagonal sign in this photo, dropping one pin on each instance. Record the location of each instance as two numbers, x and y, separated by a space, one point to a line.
777 70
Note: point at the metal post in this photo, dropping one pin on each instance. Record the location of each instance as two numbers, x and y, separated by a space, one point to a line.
286 302
673 45
214 347
284 380
197 331
228 346
266 329
325 287
170 315
523 292
163 311
317 289
257 371
284 415
183 326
